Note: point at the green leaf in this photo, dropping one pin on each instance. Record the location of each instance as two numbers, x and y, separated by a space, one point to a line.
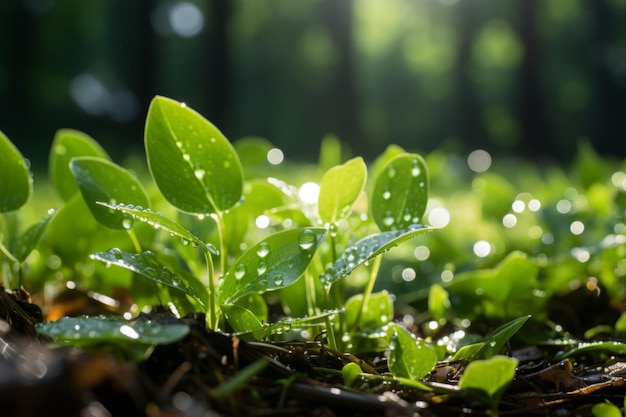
505 291
467 352
159 221
606 410
100 180
350 373
194 166
241 319
616 348
438 301
408 357
132 339
68 144
290 323
29 240
400 193
15 178
367 249
273 263
147 265
490 376
339 189
377 313
498 338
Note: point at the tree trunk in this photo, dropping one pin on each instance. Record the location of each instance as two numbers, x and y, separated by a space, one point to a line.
535 127
343 103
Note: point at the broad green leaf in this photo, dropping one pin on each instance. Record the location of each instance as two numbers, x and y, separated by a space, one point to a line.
159 221
400 193
376 313
350 372
408 357
241 319
252 152
133 339
498 338
616 348
490 376
367 249
339 189
275 262
606 410
290 323
331 152
147 265
15 179
194 166
29 240
438 301
100 180
68 144
467 352
505 291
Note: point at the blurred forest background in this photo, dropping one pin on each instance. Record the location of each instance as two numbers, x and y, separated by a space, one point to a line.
522 77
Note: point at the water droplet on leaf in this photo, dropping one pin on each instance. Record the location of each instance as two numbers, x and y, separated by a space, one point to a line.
199 173
261 268
306 239
263 250
240 271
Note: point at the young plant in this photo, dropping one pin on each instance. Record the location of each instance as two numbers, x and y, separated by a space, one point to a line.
198 172
15 190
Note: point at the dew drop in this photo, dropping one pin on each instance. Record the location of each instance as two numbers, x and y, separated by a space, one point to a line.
391 171
388 221
149 271
263 250
127 223
261 268
185 242
199 173
179 144
306 239
415 171
186 157
240 271
278 280
386 195
226 164
117 253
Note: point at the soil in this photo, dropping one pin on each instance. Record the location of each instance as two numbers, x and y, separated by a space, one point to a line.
213 374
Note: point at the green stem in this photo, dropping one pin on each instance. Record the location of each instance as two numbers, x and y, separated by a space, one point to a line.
332 342
134 240
219 220
210 271
369 288
311 301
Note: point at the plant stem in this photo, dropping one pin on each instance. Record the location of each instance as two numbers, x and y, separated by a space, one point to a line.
311 301
219 221
133 238
210 271
369 288
332 342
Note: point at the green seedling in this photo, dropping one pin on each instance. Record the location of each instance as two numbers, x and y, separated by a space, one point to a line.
488 378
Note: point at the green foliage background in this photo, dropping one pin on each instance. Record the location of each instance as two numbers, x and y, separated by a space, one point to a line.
526 76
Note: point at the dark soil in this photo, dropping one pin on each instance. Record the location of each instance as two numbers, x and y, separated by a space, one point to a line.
195 377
